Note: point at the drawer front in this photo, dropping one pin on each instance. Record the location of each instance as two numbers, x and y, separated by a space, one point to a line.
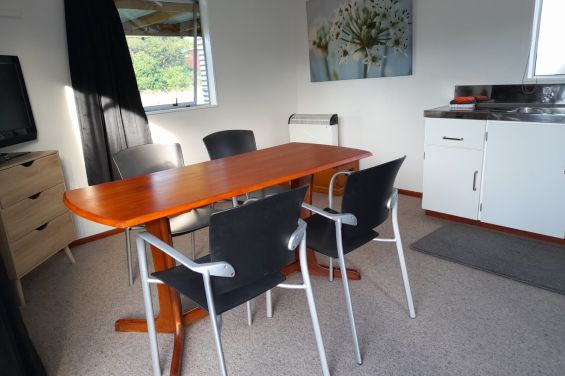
28 214
22 181
458 133
37 246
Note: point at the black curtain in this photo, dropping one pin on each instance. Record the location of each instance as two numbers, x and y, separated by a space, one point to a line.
109 106
17 354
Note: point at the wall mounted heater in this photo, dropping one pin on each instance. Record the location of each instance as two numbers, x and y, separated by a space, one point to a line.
314 128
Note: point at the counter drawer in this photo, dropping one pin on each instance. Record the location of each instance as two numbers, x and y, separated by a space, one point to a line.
457 133
28 214
27 179
37 246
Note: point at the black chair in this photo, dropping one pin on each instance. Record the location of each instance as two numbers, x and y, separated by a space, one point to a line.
249 244
368 198
233 142
149 158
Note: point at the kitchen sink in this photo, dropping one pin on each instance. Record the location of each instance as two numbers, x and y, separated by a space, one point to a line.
526 110
531 110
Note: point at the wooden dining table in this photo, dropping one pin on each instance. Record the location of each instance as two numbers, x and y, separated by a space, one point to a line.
152 199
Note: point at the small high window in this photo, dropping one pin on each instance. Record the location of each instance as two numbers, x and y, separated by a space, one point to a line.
170 49
547 55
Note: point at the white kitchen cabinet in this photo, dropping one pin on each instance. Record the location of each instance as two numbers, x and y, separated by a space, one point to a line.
453 164
524 177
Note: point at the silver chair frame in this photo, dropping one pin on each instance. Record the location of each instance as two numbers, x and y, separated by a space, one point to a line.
349 219
127 235
220 269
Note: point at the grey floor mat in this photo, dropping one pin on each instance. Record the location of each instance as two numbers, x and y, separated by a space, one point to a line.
537 263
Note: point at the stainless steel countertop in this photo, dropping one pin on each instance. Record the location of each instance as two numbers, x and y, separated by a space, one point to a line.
529 112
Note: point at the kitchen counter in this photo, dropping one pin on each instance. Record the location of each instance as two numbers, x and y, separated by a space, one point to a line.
521 113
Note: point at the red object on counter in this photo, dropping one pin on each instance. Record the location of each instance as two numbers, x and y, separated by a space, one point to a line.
462 100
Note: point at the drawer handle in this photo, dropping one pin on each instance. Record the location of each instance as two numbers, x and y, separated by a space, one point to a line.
27 164
42 227
452 138
33 197
475 180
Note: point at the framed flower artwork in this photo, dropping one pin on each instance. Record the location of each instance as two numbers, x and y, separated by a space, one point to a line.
351 39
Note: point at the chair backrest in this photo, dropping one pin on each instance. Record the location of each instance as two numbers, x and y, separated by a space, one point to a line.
231 142
366 195
145 159
253 238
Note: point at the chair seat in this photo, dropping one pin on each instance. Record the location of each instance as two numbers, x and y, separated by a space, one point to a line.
262 193
320 236
273 190
191 285
191 221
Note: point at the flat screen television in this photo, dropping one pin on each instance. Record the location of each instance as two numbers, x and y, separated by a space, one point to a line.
16 119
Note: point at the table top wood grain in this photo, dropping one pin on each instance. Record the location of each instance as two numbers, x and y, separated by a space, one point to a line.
141 199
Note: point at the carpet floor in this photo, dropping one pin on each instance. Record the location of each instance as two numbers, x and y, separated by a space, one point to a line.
538 263
468 322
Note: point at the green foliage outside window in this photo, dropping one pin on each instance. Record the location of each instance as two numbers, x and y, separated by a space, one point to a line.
160 63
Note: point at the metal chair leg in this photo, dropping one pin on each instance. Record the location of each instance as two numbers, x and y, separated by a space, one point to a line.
345 281
312 307
269 297
216 321
331 266
249 318
193 240
403 268
128 255
220 322
149 315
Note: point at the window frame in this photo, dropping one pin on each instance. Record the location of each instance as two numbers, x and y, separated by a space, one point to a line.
531 76
212 94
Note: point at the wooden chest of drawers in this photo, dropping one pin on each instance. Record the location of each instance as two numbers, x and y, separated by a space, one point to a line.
34 223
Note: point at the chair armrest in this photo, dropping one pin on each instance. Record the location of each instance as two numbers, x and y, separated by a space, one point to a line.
331 187
297 235
346 218
393 199
217 269
250 200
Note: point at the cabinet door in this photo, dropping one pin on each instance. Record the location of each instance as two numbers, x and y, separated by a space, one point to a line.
524 177
452 179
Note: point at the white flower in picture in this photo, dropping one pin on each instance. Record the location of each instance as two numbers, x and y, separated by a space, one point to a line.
365 33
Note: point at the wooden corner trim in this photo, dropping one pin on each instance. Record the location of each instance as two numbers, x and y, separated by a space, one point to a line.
508 230
406 192
94 237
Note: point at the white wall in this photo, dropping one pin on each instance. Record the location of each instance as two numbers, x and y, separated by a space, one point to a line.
261 64
38 38
254 67
456 42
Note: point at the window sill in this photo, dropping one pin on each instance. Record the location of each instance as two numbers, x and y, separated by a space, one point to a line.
190 108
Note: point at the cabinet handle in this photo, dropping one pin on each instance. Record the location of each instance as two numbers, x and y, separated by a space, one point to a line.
475 180
453 138
35 196
42 227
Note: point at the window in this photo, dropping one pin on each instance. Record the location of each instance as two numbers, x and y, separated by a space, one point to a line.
547 55
170 52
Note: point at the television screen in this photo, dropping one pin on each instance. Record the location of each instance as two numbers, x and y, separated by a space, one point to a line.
16 119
